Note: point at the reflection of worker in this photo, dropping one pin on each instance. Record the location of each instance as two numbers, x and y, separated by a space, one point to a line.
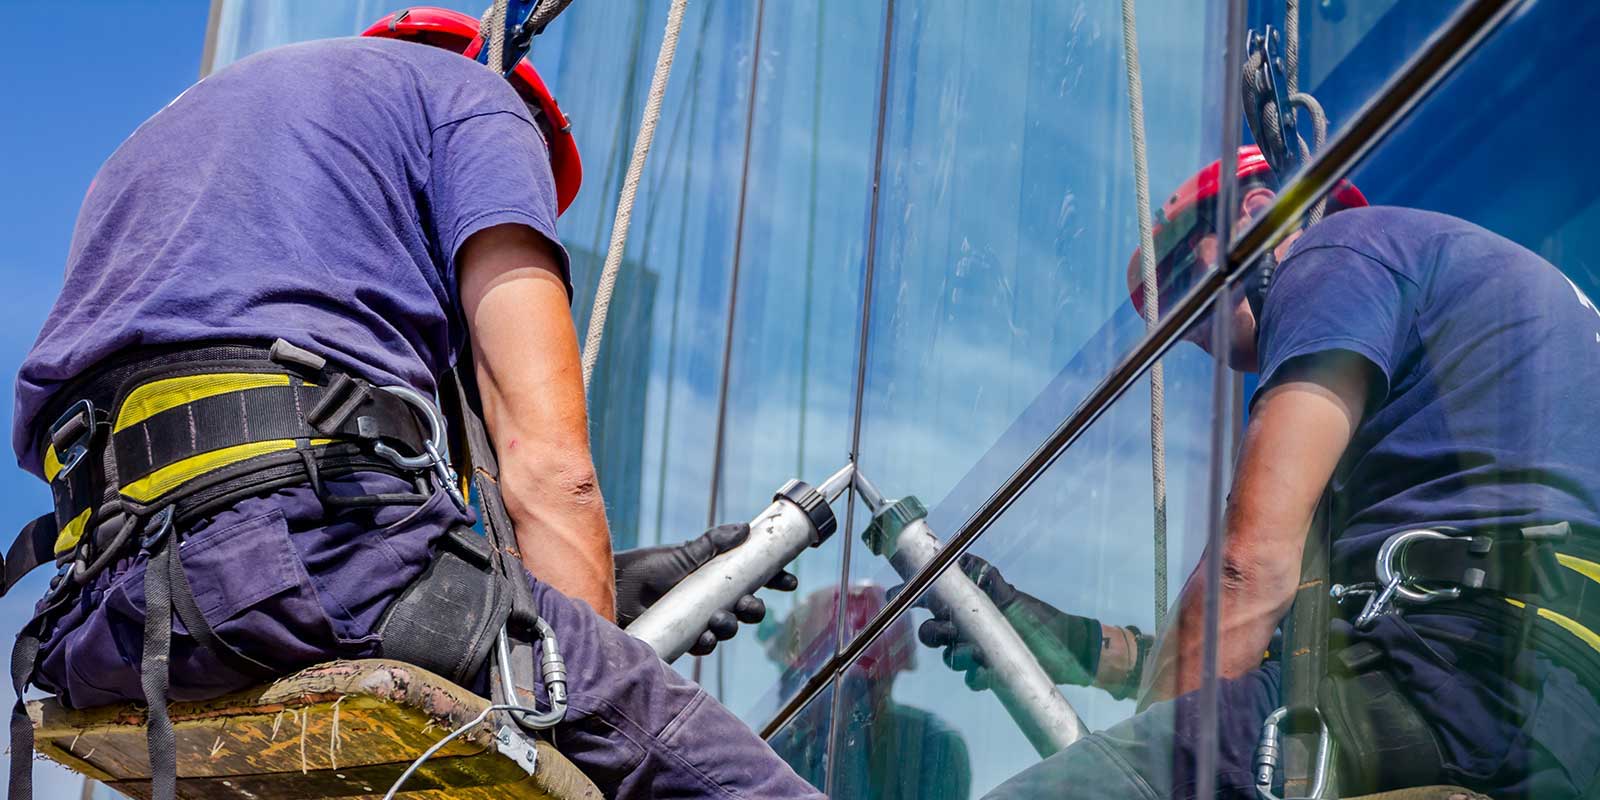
367 203
1428 374
885 750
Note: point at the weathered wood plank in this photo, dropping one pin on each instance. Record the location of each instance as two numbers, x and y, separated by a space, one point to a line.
343 729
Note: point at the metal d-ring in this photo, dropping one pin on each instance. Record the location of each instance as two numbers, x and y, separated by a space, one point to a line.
1391 567
435 439
432 456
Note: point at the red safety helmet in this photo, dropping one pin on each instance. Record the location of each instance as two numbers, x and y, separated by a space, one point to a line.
1188 215
458 32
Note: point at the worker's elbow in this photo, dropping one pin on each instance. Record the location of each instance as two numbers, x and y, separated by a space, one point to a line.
1265 579
533 485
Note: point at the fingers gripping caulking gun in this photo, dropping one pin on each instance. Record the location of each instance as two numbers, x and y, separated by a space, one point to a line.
899 532
800 517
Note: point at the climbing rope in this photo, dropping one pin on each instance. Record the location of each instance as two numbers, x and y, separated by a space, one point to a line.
1291 71
1152 309
630 190
492 25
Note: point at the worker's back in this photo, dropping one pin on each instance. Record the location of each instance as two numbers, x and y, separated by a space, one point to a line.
1484 357
314 193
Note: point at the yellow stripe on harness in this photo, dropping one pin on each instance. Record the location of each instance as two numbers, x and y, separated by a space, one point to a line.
69 536
1571 625
158 483
1587 569
52 463
152 398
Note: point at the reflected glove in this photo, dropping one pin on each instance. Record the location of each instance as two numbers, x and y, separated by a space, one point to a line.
1066 645
644 574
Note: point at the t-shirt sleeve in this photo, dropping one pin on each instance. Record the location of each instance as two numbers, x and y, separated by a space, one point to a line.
1331 298
490 169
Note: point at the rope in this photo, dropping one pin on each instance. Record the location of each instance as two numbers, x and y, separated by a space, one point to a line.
630 190
1152 310
1291 70
492 25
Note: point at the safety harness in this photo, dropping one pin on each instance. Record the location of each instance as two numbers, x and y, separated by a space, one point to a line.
144 449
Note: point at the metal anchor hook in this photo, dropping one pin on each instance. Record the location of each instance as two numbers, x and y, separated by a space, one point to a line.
432 457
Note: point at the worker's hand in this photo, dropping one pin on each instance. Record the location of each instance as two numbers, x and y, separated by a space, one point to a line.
644 574
1067 646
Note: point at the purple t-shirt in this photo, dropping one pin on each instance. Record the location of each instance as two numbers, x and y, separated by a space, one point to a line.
316 193
1485 358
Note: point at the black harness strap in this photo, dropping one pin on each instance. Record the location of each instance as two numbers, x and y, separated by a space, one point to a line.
1306 655
23 655
34 546
155 663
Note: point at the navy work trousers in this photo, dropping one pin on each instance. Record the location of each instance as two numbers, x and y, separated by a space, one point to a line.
291 585
1535 739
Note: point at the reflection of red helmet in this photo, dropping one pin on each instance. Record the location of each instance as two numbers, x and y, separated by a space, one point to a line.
804 641
458 33
1188 215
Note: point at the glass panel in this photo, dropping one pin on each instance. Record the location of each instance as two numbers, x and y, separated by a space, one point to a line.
1007 222
1078 544
1463 303
250 26
1349 48
797 318
653 406
803 742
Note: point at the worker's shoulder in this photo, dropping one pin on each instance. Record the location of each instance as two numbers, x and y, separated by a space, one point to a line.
1407 241
1373 226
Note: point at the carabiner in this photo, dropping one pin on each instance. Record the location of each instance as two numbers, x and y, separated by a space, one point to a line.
1268 751
432 458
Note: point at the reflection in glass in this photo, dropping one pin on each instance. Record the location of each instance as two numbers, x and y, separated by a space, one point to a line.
796 320
1077 545
803 742
888 747
1006 222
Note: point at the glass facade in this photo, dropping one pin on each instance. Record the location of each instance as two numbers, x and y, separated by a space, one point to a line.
899 234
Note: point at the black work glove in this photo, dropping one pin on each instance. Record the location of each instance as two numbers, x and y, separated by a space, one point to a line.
1066 645
644 574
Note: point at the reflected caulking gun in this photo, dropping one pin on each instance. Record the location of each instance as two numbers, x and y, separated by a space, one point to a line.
900 533
799 517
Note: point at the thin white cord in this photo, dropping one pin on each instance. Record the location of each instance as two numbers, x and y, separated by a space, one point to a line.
630 191
1152 306
439 745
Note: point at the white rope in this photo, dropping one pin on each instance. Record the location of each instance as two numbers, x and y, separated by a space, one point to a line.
1152 309
630 190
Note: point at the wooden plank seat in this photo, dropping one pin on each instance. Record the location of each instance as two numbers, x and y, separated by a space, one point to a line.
343 729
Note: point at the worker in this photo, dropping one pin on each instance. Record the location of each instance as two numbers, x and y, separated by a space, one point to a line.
887 749
1427 374
266 285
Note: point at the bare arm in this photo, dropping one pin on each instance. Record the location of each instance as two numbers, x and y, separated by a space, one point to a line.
525 353
1297 433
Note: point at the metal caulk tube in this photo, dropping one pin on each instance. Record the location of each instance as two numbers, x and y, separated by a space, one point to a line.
799 517
900 532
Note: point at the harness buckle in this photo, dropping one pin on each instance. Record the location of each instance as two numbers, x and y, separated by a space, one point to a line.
71 434
432 458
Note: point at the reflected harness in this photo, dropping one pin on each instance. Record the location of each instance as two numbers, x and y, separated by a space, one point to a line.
145 449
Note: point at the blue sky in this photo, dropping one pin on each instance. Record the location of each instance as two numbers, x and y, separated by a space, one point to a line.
80 76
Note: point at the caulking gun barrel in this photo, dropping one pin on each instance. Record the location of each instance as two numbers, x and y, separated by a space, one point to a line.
900 532
799 517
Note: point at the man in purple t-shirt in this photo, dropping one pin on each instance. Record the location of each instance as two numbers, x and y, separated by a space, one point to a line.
1424 374
364 207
